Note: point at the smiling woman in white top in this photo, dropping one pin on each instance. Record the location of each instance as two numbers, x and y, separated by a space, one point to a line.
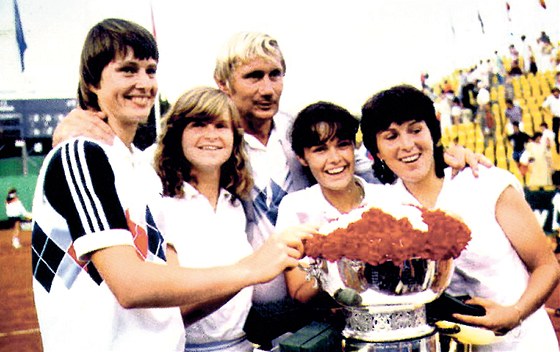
201 213
507 267
323 139
204 173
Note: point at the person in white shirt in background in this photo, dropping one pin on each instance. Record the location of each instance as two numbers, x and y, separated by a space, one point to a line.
16 212
484 114
525 52
536 158
442 105
552 104
547 135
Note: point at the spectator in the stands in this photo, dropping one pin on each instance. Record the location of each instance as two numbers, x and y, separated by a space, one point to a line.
513 113
552 104
518 139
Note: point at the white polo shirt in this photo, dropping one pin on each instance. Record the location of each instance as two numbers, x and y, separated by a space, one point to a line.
91 196
204 237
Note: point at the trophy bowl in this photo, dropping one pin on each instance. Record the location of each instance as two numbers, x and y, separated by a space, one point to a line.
384 302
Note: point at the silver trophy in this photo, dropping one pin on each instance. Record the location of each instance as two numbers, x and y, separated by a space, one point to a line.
384 304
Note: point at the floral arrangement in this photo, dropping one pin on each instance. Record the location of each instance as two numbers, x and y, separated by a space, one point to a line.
377 237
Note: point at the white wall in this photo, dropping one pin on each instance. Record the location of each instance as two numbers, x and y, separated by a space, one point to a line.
337 51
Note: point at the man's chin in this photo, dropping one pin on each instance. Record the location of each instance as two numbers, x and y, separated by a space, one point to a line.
265 114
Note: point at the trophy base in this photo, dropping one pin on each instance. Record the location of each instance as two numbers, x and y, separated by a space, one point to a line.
386 323
428 343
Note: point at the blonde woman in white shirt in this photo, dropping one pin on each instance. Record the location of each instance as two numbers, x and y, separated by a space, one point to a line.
204 174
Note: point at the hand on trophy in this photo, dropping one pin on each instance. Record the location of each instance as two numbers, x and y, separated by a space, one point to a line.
498 318
279 252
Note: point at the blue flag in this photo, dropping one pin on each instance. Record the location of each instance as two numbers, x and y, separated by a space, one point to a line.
19 35
481 23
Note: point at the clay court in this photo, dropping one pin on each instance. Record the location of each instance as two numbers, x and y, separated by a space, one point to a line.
19 330
18 321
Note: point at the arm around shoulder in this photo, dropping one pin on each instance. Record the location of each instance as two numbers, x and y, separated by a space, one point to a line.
83 123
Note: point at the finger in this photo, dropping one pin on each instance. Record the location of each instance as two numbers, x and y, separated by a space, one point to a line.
480 301
469 319
484 160
102 132
472 160
290 239
97 121
287 241
99 115
294 253
296 236
307 228
291 262
454 172
450 158
297 246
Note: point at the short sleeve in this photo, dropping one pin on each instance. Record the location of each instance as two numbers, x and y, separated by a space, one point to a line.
80 186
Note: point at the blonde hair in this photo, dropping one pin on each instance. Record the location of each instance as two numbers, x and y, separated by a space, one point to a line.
243 47
173 168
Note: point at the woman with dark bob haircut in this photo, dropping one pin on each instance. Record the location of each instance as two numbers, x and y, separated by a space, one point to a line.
387 107
508 267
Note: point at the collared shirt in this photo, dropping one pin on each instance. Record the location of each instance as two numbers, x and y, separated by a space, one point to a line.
276 172
207 237
91 196
309 206
268 162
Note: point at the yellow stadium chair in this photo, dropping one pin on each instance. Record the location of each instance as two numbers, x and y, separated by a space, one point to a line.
515 171
501 162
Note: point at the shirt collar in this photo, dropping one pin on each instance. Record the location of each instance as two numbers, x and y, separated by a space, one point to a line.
190 192
253 143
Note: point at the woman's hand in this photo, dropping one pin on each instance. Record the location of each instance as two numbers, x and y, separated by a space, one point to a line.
280 251
498 318
459 157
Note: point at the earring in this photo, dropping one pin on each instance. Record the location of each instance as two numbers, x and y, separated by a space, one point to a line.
382 165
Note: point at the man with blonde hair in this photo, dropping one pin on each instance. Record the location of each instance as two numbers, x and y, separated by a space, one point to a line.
250 69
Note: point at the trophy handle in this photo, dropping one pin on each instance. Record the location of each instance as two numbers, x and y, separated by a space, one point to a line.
312 268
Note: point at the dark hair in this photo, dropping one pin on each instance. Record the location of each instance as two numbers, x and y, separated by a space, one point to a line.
104 41
12 193
536 135
319 123
556 178
399 104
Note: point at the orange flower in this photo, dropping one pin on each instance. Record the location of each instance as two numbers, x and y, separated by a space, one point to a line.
379 237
